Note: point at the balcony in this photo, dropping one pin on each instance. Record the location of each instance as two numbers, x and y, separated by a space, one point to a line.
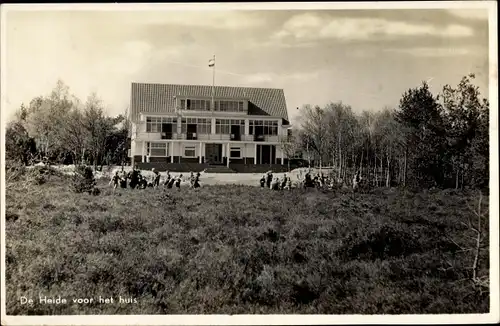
235 137
167 135
150 136
259 137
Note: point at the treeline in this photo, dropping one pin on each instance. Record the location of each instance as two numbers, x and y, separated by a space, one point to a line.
60 128
429 140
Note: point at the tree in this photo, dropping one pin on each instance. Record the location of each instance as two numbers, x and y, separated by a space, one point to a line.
420 115
342 129
75 134
46 118
315 130
467 130
18 145
290 146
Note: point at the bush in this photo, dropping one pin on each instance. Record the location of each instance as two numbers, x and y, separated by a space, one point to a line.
84 181
40 174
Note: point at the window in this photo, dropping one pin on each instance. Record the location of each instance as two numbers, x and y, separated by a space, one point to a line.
266 127
222 126
229 106
235 152
154 124
200 105
203 125
205 105
189 151
195 105
238 123
156 149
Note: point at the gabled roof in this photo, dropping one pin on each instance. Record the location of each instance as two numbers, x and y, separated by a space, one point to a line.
159 98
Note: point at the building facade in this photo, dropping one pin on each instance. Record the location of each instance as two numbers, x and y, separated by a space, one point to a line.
175 124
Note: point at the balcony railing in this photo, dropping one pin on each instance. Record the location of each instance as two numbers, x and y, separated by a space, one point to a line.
153 136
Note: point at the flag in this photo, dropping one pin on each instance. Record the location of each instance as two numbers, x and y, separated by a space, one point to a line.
211 62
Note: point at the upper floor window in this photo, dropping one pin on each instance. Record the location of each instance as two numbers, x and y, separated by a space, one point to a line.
203 125
229 106
154 124
222 126
263 127
205 105
195 105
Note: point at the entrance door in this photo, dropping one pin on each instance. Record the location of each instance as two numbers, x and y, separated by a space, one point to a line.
266 154
213 153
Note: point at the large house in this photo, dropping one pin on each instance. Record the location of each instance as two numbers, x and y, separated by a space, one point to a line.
175 126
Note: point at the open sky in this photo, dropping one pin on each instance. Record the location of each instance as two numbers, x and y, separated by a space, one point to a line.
364 58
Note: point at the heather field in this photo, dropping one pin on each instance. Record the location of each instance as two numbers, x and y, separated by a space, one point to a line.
237 249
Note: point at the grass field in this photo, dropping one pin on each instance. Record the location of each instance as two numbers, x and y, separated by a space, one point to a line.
239 249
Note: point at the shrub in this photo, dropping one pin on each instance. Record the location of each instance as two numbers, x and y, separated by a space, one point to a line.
84 181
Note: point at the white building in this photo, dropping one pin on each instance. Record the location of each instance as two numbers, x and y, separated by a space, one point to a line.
174 124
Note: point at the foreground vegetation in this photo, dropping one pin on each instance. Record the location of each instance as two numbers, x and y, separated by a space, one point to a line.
239 249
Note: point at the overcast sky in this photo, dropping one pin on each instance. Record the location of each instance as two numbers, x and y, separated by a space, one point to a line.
365 58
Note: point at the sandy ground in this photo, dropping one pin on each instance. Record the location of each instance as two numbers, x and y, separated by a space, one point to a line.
205 178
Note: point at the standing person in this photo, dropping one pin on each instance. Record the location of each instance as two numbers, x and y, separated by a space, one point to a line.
143 182
167 178
307 180
263 181
269 179
170 182
115 179
134 177
123 180
191 179
283 182
156 178
288 185
196 183
275 184
316 181
178 182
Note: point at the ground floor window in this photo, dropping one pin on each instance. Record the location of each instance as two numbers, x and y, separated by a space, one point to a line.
157 149
189 151
235 152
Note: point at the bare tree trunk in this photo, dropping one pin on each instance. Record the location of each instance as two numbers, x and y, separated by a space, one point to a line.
361 162
478 239
462 182
405 167
387 182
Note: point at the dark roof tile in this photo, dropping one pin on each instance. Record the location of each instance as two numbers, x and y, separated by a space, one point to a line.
159 98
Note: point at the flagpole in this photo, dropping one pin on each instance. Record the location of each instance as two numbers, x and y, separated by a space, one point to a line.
213 85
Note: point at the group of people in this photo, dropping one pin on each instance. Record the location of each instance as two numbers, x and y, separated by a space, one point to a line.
135 180
275 183
307 181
